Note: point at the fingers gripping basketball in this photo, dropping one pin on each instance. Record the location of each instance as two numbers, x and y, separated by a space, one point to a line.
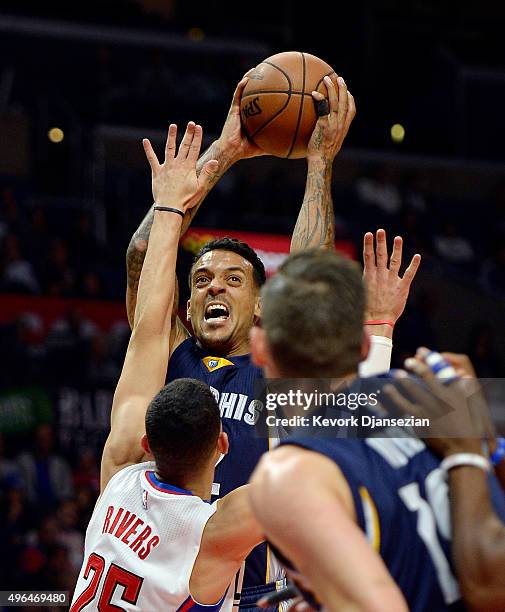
277 109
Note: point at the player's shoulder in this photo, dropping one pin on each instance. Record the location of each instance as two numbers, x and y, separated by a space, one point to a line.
184 360
129 472
187 346
334 448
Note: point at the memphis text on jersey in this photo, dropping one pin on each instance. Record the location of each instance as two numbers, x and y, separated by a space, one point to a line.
131 530
237 406
364 420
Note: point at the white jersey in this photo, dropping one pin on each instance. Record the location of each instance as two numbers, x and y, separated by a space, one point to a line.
141 545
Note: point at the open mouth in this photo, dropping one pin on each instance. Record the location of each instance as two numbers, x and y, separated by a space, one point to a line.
217 312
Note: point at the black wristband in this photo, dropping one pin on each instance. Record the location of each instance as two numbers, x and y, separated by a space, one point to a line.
168 209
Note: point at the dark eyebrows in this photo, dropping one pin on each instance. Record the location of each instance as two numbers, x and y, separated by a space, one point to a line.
230 269
204 270
235 269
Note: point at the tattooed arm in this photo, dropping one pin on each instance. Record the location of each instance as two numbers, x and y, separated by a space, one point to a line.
315 226
231 146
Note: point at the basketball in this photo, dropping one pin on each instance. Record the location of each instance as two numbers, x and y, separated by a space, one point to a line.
277 109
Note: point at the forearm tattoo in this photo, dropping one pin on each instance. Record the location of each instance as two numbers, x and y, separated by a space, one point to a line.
315 226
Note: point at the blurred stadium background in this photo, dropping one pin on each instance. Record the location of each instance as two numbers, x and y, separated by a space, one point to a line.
81 83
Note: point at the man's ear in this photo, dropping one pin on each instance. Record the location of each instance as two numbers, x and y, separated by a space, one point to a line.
223 443
145 445
257 309
259 346
365 345
188 308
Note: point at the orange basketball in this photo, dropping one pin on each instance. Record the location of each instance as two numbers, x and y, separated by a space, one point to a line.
277 108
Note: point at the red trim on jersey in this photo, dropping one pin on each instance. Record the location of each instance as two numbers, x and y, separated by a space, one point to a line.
163 486
187 605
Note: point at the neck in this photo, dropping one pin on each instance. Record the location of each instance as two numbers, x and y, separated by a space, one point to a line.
228 350
243 348
199 484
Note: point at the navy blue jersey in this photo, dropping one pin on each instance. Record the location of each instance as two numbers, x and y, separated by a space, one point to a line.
232 381
401 499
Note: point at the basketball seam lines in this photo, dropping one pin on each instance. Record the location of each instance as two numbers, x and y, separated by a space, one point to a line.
276 91
300 111
321 79
283 91
281 109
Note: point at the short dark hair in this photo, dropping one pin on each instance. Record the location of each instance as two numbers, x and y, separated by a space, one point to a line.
236 246
182 427
313 314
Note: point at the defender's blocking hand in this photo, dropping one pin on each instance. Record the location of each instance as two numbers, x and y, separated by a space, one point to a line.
175 182
387 291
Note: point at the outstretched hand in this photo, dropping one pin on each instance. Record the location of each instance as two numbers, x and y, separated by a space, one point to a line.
387 291
457 410
331 129
175 182
233 139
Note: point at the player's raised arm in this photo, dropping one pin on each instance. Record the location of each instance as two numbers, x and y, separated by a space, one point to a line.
333 557
315 226
387 291
387 294
231 146
177 187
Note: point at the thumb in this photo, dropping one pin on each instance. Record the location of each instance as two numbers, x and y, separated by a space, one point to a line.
208 174
237 94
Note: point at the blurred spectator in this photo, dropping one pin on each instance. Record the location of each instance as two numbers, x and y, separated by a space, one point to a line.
86 499
33 561
87 473
493 271
36 237
58 277
17 273
378 190
102 370
16 341
15 521
84 242
9 217
90 286
9 471
451 246
413 229
59 574
47 476
412 192
69 536
68 345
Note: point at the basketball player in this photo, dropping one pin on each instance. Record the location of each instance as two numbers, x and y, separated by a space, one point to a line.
153 543
320 499
478 533
225 303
